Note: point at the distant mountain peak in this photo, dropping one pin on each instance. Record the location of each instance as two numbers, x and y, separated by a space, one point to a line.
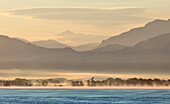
66 33
157 22
68 49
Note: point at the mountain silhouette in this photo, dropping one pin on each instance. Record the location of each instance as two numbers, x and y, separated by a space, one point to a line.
66 33
110 47
151 56
136 35
147 56
85 47
49 44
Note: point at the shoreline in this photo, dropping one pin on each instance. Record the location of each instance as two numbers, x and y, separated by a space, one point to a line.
70 87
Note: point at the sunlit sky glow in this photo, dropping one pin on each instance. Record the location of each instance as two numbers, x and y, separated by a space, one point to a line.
44 19
30 74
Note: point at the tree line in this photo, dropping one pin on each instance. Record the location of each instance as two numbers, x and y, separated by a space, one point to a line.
26 82
123 82
91 82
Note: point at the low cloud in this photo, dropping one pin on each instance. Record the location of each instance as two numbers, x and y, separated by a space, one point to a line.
89 16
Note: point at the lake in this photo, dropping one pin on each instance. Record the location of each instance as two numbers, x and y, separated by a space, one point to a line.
84 96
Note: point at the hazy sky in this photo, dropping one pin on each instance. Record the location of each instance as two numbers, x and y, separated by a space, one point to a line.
30 74
44 19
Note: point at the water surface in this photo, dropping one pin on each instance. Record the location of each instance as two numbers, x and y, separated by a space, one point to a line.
84 96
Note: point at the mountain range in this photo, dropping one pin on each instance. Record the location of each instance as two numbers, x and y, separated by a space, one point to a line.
129 38
51 43
54 44
147 56
136 35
